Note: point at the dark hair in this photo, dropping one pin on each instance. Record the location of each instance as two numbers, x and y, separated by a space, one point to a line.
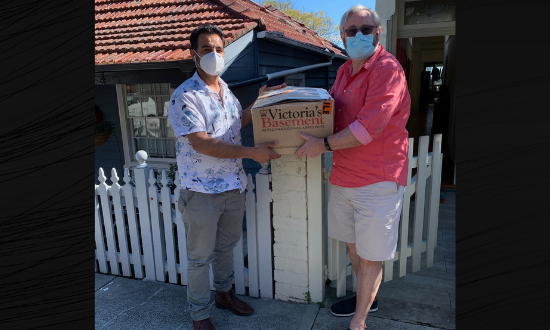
208 29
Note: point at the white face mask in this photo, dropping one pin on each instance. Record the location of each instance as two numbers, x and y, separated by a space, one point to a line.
211 63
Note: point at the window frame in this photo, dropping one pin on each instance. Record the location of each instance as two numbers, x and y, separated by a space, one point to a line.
297 76
421 30
127 138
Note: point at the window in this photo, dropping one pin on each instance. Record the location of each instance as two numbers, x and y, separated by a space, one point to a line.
425 18
424 12
144 119
297 79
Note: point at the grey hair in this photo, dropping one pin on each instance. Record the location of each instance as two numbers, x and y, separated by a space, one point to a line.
356 9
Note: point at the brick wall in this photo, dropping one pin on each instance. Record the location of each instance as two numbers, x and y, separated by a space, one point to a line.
290 228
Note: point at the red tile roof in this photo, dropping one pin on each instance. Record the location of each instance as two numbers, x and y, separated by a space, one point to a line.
138 31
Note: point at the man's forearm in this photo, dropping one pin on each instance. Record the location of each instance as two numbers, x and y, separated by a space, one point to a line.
247 116
343 140
220 149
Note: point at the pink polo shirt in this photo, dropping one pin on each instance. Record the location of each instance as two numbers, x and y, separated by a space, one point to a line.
375 104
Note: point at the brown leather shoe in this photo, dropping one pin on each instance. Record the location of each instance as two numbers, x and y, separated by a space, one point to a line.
205 324
228 300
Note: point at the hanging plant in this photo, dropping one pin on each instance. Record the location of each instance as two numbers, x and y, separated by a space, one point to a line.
103 128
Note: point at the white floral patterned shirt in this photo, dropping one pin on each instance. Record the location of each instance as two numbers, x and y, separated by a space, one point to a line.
194 107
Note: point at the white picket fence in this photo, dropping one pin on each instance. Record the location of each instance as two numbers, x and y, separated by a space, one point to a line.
139 231
425 185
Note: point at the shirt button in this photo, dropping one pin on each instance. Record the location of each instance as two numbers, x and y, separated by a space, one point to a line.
344 90
333 163
339 109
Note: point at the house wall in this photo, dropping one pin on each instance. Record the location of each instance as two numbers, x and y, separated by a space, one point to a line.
275 57
449 80
110 154
245 68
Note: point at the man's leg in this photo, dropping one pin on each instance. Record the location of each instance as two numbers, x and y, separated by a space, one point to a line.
341 226
377 212
353 257
229 233
369 276
200 215
355 263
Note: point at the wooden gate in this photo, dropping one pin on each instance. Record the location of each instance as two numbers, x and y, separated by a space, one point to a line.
139 231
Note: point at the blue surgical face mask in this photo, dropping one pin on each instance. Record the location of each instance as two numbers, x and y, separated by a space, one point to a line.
360 47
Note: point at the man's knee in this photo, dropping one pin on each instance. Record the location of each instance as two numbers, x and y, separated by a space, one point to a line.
351 248
369 263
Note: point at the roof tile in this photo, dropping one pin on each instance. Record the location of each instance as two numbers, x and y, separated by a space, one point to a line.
135 31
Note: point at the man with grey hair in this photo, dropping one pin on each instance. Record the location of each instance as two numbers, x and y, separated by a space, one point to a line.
370 157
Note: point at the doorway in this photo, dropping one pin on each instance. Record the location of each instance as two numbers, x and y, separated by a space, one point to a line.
430 78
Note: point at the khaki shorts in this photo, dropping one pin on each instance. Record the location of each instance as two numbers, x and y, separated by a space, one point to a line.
367 216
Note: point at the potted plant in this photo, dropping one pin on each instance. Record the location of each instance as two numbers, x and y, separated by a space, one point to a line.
103 128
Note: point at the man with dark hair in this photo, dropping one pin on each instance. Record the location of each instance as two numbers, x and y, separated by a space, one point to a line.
207 118
206 29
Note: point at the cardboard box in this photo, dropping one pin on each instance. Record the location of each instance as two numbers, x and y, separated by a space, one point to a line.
279 115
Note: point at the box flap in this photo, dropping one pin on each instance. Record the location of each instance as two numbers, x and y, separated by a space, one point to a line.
291 94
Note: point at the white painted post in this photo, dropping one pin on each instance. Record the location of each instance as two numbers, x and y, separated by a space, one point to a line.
238 266
422 173
341 267
108 222
330 254
331 243
211 277
434 203
404 222
315 229
157 231
121 226
168 229
251 239
265 241
141 174
427 197
128 192
388 269
99 238
182 240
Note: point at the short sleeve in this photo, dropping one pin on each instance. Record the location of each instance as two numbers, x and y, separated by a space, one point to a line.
184 114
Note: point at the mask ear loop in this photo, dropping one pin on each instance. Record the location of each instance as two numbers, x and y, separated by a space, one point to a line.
197 62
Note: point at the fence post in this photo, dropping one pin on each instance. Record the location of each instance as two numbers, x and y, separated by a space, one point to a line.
251 239
168 229
422 173
129 190
99 238
156 226
103 190
404 224
141 175
434 204
120 225
265 241
315 228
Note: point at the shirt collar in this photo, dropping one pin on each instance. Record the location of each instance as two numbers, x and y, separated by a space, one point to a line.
374 58
203 85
